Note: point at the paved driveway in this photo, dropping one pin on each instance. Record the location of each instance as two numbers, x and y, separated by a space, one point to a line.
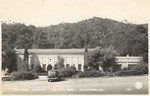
105 85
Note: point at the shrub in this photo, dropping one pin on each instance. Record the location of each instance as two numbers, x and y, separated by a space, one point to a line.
38 69
123 73
140 69
92 73
23 75
80 74
110 74
134 70
49 67
67 72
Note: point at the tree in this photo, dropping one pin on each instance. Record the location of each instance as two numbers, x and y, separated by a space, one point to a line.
104 57
60 63
93 58
109 58
25 65
129 38
35 64
49 67
9 60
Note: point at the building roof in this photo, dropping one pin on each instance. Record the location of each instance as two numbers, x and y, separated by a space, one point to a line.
52 51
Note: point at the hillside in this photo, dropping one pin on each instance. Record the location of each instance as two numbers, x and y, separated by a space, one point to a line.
129 39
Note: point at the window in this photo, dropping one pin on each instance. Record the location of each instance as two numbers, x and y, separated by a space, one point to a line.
67 66
79 67
44 67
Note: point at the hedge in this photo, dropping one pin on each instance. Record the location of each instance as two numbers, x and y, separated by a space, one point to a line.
91 73
23 75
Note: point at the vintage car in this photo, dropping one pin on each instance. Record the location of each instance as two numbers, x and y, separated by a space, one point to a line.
53 75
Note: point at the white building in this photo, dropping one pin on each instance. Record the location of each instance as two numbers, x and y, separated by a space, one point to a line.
72 57
126 61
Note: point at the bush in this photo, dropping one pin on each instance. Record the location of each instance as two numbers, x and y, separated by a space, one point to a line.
49 67
38 69
9 60
140 69
135 70
23 75
67 72
92 73
123 73
80 74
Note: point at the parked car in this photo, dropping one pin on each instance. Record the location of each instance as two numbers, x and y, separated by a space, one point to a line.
53 75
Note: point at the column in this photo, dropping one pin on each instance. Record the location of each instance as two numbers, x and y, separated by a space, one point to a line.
77 63
29 62
42 61
82 65
48 60
127 61
72 61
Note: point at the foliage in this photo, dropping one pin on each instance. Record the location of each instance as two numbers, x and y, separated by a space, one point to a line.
35 64
133 39
25 65
23 75
49 67
109 58
60 63
67 72
145 57
104 57
9 60
135 70
140 69
91 73
38 69
17 35
93 58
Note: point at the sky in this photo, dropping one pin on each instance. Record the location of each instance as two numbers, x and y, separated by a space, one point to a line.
51 12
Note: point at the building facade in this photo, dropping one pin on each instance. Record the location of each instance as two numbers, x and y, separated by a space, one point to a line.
127 61
45 57
72 57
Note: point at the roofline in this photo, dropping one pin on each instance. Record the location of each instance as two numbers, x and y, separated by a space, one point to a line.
52 51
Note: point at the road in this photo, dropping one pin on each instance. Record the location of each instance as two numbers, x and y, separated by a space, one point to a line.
102 85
